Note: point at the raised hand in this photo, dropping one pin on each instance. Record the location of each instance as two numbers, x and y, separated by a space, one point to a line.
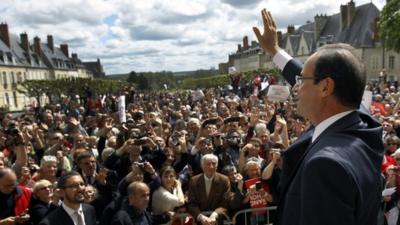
268 40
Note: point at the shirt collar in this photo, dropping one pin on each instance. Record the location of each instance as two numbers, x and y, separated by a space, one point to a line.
70 211
208 179
327 122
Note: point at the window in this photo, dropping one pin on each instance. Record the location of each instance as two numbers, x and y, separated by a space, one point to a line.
7 99
391 62
12 78
15 99
374 62
9 57
19 77
5 78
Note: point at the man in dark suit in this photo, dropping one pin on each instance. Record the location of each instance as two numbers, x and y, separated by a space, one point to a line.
133 209
331 173
208 191
72 211
104 180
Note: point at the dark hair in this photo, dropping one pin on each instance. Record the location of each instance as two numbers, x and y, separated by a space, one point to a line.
228 169
62 181
84 155
339 62
167 169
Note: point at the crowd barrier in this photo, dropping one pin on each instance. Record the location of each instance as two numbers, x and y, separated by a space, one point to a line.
244 214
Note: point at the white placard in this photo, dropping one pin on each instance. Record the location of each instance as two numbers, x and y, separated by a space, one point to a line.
388 191
278 93
367 99
121 109
264 85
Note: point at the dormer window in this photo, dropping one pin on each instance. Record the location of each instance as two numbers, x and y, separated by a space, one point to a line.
10 58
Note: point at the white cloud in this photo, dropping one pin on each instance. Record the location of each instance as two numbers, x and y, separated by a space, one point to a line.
155 34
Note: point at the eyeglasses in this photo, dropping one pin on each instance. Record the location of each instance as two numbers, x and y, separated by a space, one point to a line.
50 187
76 186
299 79
392 143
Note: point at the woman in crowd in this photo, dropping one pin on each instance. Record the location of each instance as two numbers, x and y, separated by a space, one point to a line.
42 202
169 193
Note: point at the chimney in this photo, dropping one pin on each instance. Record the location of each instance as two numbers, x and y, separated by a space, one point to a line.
351 11
4 35
319 24
376 29
50 42
38 48
64 49
290 29
245 43
74 56
279 36
343 17
24 41
239 48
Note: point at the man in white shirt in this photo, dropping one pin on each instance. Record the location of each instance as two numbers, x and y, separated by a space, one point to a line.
72 211
331 174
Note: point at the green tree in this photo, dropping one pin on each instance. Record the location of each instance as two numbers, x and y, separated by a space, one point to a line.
389 24
132 77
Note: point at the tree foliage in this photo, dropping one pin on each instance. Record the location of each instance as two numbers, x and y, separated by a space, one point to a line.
54 89
389 25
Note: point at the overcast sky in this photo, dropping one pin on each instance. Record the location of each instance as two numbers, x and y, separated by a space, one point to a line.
155 35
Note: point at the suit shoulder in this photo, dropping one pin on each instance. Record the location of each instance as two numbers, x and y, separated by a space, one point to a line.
222 177
197 177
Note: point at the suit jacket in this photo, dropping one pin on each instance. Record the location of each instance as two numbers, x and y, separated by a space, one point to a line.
335 179
38 210
60 217
128 215
219 195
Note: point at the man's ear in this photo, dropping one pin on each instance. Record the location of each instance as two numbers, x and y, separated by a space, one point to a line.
327 86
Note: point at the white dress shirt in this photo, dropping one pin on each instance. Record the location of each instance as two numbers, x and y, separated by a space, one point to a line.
208 182
72 214
281 58
327 122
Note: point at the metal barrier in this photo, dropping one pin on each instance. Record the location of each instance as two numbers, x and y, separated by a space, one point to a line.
266 211
183 217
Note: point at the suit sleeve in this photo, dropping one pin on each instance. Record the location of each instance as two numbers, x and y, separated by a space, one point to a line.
193 207
327 193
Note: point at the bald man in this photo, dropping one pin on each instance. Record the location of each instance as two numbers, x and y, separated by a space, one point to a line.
133 210
14 199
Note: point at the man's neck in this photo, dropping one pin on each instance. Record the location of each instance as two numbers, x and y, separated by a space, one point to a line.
74 206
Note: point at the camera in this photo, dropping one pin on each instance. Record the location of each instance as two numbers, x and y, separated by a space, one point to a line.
139 142
13 137
141 165
258 185
175 139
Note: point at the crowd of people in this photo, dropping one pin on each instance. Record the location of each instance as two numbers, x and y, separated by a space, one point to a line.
203 153
153 161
